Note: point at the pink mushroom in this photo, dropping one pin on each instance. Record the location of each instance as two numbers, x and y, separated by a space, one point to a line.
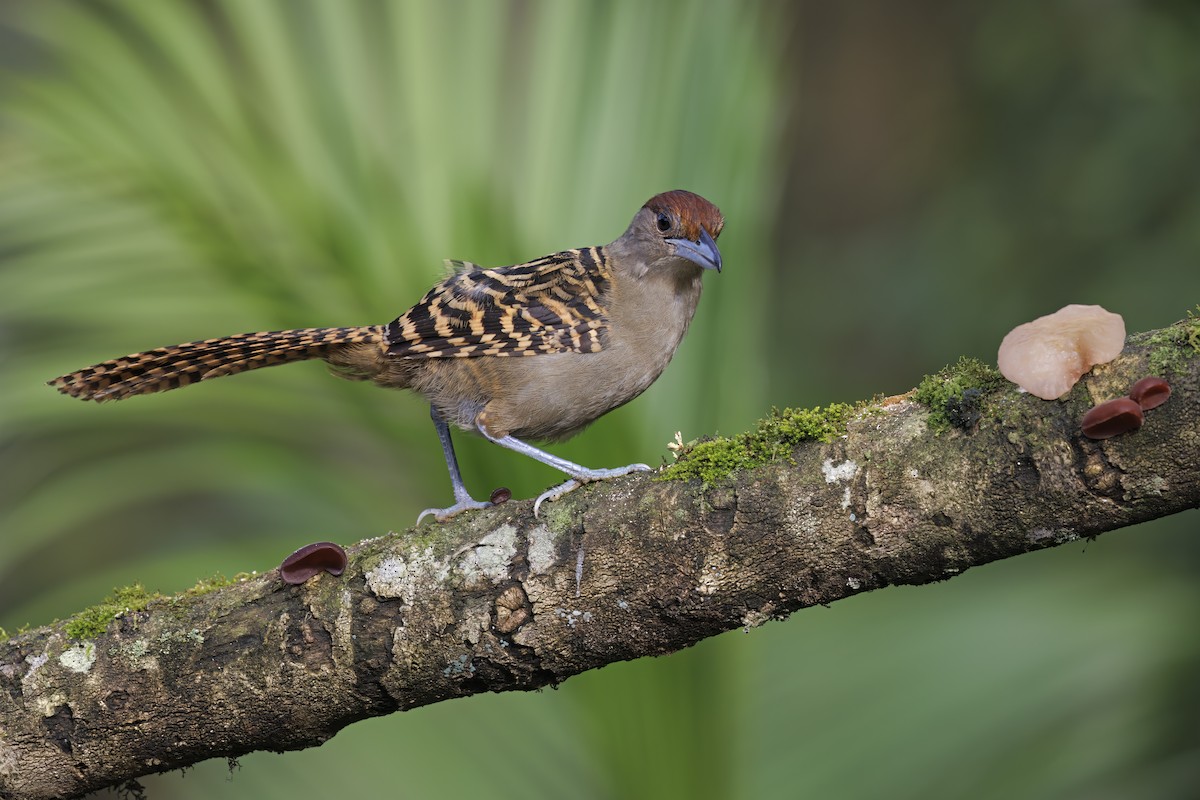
1048 356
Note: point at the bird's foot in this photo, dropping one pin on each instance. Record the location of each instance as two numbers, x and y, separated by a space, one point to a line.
582 476
463 504
555 493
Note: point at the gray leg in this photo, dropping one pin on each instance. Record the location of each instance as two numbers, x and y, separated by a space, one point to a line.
579 475
462 498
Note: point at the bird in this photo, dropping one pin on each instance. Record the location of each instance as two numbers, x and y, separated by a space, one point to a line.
530 352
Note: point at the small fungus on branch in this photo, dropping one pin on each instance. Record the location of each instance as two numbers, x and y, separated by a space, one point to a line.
312 559
1150 393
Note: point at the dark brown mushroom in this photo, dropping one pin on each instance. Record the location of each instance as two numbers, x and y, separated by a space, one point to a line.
1112 419
501 495
311 559
1150 392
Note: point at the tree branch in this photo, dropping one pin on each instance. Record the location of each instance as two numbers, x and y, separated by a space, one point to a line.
498 600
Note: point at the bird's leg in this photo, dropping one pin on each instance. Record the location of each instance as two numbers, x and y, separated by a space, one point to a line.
462 498
579 475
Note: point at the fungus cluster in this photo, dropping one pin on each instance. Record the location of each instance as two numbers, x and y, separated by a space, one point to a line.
1125 414
1048 356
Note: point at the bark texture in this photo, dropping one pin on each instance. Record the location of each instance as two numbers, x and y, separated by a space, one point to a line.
498 600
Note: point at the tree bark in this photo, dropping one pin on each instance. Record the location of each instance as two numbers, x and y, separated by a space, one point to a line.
498 600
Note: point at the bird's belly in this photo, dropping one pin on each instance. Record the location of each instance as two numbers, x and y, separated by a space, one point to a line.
542 397
566 392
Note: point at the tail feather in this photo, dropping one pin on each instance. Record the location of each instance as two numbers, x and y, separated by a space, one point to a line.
180 365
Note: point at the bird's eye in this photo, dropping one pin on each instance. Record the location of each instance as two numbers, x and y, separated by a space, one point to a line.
664 222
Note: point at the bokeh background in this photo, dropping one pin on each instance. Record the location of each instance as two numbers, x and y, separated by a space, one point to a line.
903 183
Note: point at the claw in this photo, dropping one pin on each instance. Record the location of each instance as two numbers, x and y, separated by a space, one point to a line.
555 493
443 514
582 476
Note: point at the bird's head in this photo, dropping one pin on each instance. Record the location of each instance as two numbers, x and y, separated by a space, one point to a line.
677 225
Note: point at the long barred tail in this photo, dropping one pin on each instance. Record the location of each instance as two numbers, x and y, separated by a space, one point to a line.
182 364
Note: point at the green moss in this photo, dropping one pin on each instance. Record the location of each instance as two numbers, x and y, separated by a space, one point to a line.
952 395
22 630
710 460
92 622
1173 346
206 585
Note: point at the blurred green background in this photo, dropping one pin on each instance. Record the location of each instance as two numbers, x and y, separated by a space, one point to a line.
903 183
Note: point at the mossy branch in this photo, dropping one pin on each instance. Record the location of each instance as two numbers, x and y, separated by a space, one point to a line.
809 508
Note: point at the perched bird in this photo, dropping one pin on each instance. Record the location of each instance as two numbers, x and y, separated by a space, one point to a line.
532 351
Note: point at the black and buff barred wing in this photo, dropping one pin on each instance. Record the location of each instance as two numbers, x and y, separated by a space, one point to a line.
551 305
